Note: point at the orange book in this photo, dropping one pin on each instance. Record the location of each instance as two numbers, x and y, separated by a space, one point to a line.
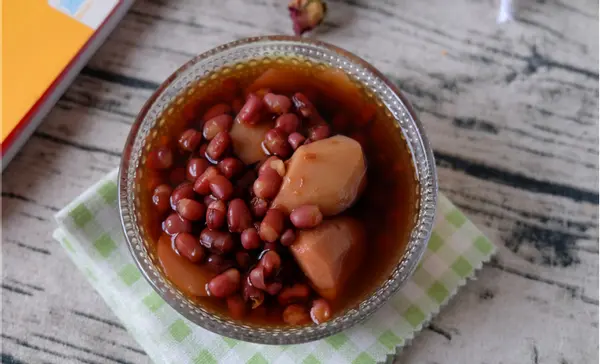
45 43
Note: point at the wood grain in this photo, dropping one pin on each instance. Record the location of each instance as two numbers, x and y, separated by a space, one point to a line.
511 112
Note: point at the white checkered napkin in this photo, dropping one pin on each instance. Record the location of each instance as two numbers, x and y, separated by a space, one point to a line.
90 231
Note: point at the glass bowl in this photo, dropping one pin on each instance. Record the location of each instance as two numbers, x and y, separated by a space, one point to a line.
229 54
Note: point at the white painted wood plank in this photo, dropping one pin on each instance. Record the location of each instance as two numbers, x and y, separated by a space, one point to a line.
501 318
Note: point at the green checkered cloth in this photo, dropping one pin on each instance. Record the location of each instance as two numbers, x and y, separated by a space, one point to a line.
90 231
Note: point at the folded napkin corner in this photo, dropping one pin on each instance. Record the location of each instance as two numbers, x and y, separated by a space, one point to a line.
89 229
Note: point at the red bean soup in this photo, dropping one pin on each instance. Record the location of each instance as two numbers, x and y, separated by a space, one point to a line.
277 193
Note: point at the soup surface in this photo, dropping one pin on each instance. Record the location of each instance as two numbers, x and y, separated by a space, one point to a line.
299 238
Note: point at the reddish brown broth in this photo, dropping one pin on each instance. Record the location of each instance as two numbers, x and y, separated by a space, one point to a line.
387 207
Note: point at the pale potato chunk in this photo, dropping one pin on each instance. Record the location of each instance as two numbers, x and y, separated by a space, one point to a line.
247 140
330 253
280 81
185 275
329 173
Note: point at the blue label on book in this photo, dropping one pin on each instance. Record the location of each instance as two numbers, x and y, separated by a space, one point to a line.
89 12
70 7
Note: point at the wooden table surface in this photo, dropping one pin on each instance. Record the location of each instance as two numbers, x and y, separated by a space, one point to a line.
511 111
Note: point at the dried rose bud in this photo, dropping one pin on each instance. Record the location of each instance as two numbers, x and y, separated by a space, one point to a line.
306 14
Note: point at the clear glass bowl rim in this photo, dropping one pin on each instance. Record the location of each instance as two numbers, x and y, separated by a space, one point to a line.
425 166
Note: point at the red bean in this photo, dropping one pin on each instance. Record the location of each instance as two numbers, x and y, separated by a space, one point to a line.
190 140
238 216
225 284
243 259
288 237
296 140
288 123
231 167
160 158
257 277
295 315
215 125
236 307
188 246
250 112
273 163
299 292
202 184
154 178
160 198
221 187
276 143
319 132
182 191
306 216
177 176
191 209
237 105
267 184
272 225
262 92
303 104
320 311
202 150
252 294
274 288
175 224
218 146
250 239
259 207
218 264
208 199
271 262
219 242
195 167
247 179
278 104
270 246
215 214
217 110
